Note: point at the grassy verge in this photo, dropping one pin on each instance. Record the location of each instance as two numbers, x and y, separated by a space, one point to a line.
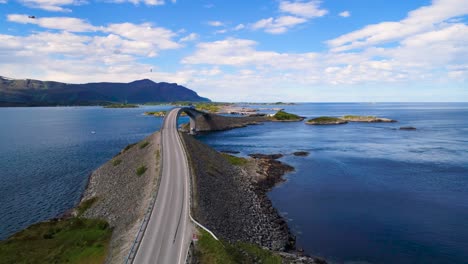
74 240
116 162
144 144
129 147
85 205
141 170
234 160
285 116
210 251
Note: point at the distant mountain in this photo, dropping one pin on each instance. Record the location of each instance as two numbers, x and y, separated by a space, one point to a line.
28 92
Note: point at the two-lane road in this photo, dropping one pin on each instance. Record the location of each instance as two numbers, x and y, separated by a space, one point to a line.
168 234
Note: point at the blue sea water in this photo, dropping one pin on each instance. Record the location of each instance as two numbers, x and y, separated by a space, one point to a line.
47 154
367 193
370 193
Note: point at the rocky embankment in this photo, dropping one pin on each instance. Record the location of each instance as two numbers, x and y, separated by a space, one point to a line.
119 194
232 202
228 204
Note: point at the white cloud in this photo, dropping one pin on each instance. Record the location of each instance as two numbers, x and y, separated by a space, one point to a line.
157 37
420 20
3 1
52 5
345 14
278 25
60 23
215 23
293 13
190 37
137 2
239 27
302 9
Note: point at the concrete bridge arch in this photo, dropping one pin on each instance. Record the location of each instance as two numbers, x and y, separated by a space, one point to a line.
202 122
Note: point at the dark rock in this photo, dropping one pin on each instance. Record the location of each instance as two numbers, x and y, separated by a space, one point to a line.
301 153
228 203
407 128
266 156
230 151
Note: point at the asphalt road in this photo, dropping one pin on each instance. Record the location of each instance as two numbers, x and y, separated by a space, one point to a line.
169 231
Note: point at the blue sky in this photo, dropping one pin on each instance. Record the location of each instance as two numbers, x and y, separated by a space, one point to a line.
257 50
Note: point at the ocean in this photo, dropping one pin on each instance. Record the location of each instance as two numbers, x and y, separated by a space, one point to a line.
367 193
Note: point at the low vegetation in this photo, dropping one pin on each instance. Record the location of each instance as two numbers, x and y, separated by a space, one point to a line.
358 117
210 251
129 147
85 205
238 161
326 120
285 116
121 106
144 144
141 170
116 162
156 113
74 240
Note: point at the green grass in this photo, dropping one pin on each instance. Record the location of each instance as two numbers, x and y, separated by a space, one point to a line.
75 240
208 107
324 119
85 205
356 116
141 170
129 147
144 144
284 116
156 113
116 162
238 161
211 251
121 106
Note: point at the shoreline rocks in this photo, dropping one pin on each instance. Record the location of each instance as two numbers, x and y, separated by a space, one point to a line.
408 128
301 153
367 119
244 213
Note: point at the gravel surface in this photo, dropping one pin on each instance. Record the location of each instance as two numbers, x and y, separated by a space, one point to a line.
122 196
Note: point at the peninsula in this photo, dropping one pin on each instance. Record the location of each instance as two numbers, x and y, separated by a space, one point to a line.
28 92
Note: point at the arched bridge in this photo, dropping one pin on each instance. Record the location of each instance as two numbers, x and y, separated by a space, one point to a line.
202 121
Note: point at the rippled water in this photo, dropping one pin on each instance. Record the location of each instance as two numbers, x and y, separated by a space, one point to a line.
47 154
367 192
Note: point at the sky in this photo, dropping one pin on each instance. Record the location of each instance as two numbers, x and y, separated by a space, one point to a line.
254 51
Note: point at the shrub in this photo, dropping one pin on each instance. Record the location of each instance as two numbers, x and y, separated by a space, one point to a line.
141 170
144 144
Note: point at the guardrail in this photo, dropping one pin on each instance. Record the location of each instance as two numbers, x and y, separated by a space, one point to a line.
190 199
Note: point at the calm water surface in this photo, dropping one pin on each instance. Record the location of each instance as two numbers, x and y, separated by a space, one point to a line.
367 193
47 154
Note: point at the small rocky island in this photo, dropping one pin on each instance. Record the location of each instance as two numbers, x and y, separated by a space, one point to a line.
282 116
326 120
367 119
